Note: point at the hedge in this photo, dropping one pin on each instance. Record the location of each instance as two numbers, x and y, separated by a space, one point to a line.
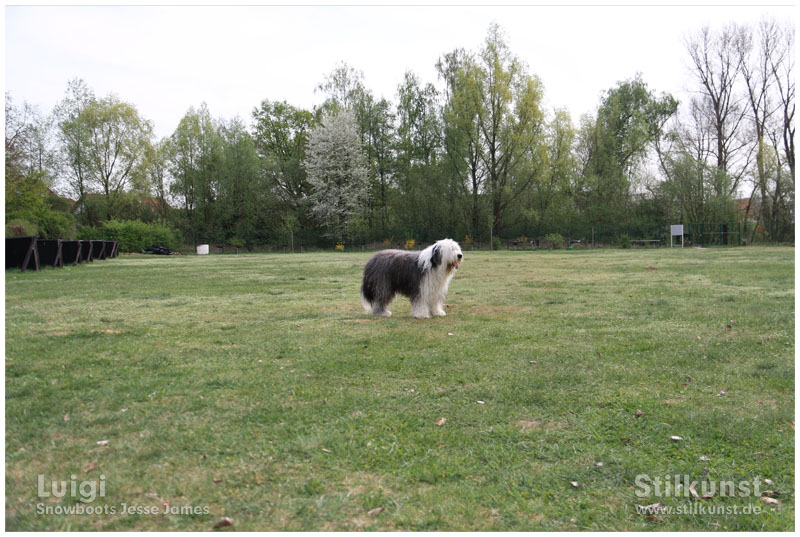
133 235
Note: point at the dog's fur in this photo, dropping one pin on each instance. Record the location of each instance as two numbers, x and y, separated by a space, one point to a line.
421 276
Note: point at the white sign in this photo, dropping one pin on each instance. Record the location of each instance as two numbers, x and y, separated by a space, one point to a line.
676 230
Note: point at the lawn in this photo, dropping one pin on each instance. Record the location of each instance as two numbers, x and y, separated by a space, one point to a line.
255 387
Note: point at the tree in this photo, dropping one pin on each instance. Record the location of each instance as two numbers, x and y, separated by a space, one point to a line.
426 200
716 65
117 142
551 188
156 165
195 163
613 146
338 175
241 190
73 136
462 135
511 123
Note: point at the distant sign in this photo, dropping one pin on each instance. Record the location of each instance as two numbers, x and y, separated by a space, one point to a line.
676 230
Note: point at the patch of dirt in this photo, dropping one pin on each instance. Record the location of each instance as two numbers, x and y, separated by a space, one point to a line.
536 424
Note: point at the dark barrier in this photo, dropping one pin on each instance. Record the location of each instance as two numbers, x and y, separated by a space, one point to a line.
86 251
50 252
21 252
98 250
71 252
112 249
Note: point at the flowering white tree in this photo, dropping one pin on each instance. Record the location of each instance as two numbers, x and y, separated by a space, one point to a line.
338 174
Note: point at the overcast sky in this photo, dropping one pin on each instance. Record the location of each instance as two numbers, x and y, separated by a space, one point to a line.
166 59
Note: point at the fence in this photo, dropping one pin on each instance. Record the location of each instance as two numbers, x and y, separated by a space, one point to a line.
714 234
32 253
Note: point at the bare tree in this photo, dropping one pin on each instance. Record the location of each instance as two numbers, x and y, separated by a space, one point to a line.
717 66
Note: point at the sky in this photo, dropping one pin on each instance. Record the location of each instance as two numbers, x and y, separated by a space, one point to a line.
165 60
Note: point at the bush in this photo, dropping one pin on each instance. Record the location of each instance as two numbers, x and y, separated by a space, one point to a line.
624 241
56 225
21 228
496 243
133 235
555 240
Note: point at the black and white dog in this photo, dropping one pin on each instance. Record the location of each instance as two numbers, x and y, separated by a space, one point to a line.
421 276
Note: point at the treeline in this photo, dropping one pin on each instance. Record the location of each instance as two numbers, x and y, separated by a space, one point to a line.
476 158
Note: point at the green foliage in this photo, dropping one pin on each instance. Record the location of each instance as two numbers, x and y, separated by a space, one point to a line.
32 209
56 225
554 240
134 235
496 243
91 233
623 241
21 228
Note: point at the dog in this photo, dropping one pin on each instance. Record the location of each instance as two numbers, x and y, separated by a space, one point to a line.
421 276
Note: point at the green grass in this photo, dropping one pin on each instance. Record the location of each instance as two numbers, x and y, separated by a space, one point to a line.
256 387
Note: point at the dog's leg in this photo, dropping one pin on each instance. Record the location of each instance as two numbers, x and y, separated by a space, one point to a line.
438 310
381 311
420 309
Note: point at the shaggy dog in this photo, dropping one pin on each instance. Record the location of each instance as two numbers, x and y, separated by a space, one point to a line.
421 276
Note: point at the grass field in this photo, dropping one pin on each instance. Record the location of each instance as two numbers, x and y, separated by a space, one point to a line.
255 387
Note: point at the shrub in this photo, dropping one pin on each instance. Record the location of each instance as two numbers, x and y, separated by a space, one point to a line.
496 243
55 225
21 228
624 241
410 244
238 243
555 240
135 235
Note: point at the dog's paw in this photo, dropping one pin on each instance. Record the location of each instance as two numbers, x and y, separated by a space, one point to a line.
385 313
440 313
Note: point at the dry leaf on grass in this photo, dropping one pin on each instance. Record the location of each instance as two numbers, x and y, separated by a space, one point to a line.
376 511
102 442
223 522
769 501
639 414
441 421
66 417
676 438
574 484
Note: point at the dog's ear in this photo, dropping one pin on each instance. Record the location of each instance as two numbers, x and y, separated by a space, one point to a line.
436 257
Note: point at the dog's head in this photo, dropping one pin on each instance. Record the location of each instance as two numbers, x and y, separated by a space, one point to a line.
445 253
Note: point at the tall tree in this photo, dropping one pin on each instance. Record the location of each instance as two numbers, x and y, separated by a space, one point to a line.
280 134
613 146
461 132
716 64
117 143
338 175
195 164
74 138
241 188
511 123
